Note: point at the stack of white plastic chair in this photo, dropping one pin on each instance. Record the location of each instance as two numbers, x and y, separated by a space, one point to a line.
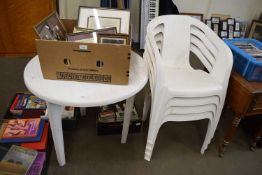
178 91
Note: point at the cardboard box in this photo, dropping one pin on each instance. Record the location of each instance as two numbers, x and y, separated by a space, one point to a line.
79 61
103 63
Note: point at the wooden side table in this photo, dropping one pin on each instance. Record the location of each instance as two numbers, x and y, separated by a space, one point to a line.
245 99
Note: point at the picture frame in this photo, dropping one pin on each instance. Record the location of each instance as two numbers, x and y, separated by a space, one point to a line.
223 33
236 34
104 17
105 22
198 16
224 25
208 23
79 29
215 20
119 39
86 37
237 26
255 30
90 36
230 31
230 21
51 28
215 28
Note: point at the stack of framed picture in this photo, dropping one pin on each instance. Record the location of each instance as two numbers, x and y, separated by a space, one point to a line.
95 25
228 28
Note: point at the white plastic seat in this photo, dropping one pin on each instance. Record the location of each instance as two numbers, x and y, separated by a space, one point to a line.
178 91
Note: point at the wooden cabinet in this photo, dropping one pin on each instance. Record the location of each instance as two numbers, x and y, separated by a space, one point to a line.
245 99
17 18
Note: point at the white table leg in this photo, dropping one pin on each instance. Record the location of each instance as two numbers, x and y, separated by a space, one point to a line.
54 115
83 111
127 118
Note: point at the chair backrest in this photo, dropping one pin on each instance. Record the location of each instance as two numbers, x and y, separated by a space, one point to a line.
171 38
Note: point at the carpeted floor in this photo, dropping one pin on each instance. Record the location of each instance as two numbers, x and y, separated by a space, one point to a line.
177 149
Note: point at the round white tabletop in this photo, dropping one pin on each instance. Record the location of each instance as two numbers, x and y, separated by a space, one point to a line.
83 94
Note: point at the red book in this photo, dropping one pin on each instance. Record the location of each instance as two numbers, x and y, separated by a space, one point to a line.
12 108
42 144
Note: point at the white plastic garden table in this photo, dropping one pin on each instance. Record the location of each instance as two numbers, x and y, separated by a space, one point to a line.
59 93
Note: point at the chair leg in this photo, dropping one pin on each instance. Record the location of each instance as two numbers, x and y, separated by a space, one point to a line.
214 124
147 103
209 136
211 130
151 138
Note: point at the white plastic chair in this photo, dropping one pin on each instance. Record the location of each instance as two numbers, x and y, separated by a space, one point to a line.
178 91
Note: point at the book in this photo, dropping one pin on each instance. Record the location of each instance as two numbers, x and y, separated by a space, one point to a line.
42 144
3 124
19 104
35 106
120 113
20 128
107 114
22 157
35 102
27 139
38 164
21 101
25 104
115 113
9 168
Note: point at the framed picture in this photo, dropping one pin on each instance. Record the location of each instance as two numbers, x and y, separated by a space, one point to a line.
256 30
236 34
223 33
79 29
198 16
223 25
104 22
113 39
90 36
230 31
230 21
98 18
215 20
237 26
208 23
51 28
86 37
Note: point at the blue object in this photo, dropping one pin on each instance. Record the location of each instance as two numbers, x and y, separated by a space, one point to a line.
244 63
33 139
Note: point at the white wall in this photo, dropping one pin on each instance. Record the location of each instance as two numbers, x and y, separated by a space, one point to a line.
69 8
245 10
